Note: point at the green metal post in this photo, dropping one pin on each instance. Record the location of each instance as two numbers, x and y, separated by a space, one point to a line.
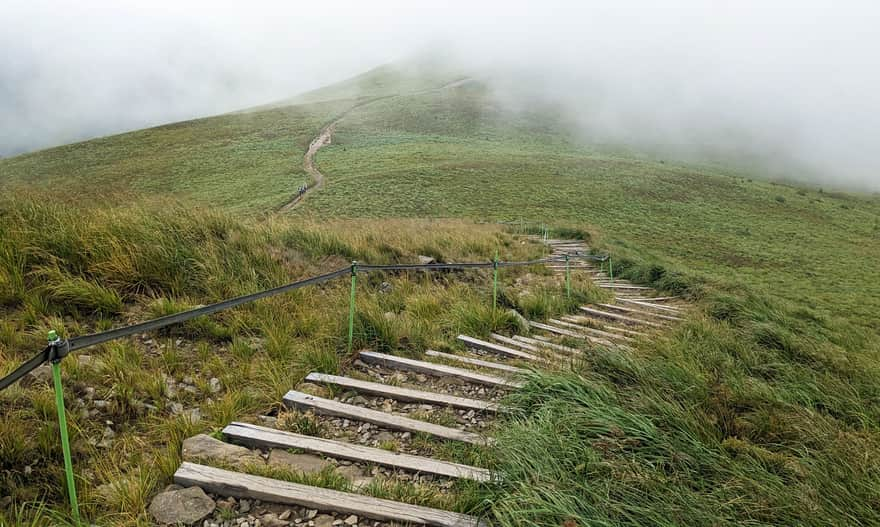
351 305
567 277
62 425
495 281
610 268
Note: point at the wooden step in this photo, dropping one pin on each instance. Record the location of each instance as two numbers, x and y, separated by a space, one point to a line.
438 370
513 342
589 330
540 340
641 312
401 394
615 316
303 401
475 362
618 286
655 299
240 485
607 329
569 333
497 348
255 436
545 352
669 309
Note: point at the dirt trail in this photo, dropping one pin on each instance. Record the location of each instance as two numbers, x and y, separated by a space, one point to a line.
325 137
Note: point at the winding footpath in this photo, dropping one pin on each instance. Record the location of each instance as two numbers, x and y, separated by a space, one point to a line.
325 137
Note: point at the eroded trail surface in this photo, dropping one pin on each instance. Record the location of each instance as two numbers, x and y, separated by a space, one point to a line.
325 137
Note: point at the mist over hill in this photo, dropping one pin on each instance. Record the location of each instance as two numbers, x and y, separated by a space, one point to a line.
782 90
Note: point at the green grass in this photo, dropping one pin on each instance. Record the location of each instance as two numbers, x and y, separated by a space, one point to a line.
453 154
762 409
250 162
86 270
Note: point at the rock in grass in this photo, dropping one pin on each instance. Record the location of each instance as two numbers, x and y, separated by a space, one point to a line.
521 320
203 447
306 463
426 260
184 506
272 520
40 376
324 520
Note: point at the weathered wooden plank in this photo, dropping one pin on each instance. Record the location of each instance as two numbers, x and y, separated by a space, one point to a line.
255 436
546 353
589 330
607 329
669 309
240 485
400 393
540 340
513 342
430 368
654 299
475 362
615 316
640 312
569 333
618 329
304 401
620 286
497 348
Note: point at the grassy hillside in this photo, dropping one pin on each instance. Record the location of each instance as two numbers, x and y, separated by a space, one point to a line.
763 409
455 153
249 162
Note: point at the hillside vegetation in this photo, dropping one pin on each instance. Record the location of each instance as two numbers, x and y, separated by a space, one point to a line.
762 409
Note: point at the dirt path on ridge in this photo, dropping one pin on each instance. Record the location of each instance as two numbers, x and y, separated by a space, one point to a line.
325 137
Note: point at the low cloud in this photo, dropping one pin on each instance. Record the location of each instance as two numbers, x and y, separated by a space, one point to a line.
787 88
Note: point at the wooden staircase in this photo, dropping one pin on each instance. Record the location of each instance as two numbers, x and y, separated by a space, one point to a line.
415 404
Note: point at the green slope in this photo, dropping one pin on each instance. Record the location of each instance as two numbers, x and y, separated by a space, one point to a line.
453 153
762 410
249 161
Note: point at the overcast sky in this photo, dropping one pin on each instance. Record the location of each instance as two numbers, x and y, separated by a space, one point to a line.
792 82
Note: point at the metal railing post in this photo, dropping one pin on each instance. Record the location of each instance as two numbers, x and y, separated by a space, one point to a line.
58 352
495 282
567 277
351 304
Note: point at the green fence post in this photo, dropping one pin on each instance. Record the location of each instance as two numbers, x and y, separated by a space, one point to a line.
610 268
495 282
54 341
354 266
567 277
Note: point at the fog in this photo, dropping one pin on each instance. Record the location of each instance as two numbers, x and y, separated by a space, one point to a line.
787 89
